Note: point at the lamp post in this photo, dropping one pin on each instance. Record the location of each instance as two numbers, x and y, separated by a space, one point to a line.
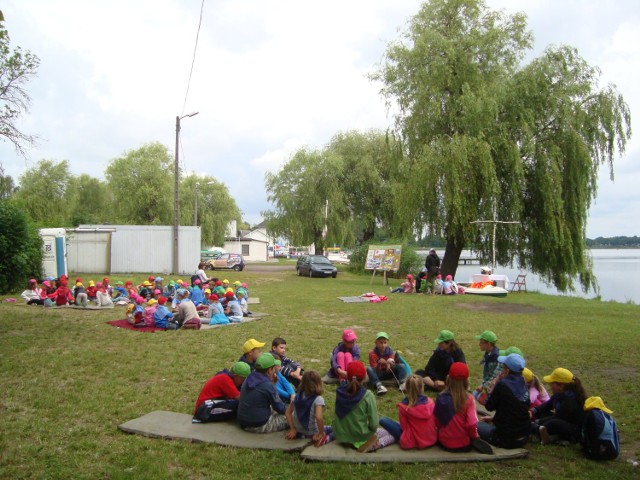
195 203
176 203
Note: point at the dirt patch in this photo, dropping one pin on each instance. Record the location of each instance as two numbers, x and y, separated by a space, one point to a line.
499 307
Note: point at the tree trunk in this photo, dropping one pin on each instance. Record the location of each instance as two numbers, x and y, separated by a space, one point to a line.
452 253
368 233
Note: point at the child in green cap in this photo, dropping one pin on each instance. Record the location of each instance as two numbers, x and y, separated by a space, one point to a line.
491 368
446 353
219 397
382 364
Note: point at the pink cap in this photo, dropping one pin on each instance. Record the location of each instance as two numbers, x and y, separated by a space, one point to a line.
349 335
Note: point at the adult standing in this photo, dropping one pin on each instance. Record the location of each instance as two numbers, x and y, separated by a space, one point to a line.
432 264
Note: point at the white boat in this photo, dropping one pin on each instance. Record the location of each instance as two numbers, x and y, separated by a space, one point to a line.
488 291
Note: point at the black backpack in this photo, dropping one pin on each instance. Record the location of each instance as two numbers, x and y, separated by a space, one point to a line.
599 436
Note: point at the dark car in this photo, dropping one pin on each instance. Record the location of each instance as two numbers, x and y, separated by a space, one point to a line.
316 266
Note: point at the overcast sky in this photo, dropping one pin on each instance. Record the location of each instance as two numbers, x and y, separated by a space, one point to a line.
270 76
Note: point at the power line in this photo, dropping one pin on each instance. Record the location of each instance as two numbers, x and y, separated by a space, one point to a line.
193 60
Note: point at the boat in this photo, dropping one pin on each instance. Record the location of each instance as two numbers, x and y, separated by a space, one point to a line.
488 291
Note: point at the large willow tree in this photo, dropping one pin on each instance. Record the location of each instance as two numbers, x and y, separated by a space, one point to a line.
307 196
490 139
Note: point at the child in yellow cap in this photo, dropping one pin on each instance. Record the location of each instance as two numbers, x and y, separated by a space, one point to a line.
560 417
537 393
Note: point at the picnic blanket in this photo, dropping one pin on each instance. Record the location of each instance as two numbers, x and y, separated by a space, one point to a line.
172 425
204 326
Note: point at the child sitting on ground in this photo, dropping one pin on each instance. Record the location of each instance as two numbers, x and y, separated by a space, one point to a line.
61 295
162 316
32 294
437 368
92 291
537 393
304 414
149 312
449 286
244 306
562 415
491 368
252 350
216 313
219 397
344 353
291 370
135 312
455 413
417 426
356 413
510 426
382 364
260 410
407 286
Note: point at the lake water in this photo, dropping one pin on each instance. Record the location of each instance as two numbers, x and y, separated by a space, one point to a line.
617 272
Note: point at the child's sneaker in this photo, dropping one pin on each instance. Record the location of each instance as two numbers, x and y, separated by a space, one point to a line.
380 389
482 446
545 439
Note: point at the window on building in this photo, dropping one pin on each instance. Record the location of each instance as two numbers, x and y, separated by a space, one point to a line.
245 250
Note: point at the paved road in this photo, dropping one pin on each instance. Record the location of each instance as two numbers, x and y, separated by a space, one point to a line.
265 267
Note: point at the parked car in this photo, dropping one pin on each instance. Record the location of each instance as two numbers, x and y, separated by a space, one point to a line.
229 261
315 266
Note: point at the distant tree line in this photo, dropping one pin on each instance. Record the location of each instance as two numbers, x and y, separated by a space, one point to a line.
137 190
620 241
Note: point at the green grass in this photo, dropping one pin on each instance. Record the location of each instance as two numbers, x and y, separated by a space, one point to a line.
67 379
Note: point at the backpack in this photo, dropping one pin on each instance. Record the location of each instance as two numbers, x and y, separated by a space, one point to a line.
599 436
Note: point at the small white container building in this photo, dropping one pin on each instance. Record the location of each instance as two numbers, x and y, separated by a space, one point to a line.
132 249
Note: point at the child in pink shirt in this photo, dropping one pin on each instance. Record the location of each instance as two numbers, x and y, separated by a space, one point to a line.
406 287
455 413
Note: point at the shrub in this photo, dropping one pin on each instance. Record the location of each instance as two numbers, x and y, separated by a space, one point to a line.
20 248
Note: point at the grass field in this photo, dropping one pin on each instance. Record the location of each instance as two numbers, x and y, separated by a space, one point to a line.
67 379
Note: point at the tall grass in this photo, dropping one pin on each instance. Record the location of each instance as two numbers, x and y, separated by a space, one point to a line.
68 379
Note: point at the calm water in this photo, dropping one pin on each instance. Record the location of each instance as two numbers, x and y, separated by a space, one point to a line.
617 271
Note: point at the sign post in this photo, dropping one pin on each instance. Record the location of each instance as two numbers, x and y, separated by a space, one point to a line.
384 258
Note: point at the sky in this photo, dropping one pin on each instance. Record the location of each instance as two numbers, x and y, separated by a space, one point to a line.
269 77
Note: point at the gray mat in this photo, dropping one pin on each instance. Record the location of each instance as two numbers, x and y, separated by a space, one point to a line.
251 318
171 425
354 299
336 452
253 300
56 307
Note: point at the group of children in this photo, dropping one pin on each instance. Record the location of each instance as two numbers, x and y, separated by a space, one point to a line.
152 303
437 287
254 392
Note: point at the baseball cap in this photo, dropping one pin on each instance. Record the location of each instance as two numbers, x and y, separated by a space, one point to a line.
559 375
509 351
444 336
153 301
266 360
488 336
592 403
382 335
237 284
162 300
251 344
349 335
513 362
527 375
146 283
356 369
229 294
213 297
459 371
241 369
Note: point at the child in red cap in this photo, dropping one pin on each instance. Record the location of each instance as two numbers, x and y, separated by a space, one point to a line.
356 414
346 352
455 413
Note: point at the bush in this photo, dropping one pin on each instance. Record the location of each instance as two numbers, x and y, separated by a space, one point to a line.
20 249
410 262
